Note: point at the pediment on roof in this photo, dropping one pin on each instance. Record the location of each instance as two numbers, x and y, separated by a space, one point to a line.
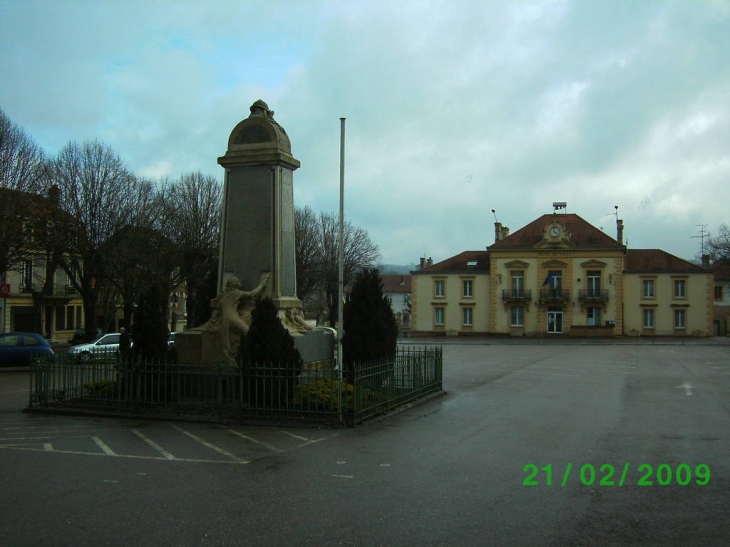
593 264
554 264
516 264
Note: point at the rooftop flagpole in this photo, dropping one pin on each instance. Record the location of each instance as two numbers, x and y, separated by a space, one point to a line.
341 260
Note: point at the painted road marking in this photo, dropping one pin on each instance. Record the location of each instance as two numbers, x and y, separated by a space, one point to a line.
103 446
687 388
77 452
306 439
207 444
154 445
251 439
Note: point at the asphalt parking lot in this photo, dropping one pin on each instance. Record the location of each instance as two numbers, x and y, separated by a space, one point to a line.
533 444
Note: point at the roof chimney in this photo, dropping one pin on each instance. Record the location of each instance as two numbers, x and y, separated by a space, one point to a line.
706 261
620 231
422 263
497 231
429 262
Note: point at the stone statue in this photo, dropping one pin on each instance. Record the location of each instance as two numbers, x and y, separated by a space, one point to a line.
294 320
231 317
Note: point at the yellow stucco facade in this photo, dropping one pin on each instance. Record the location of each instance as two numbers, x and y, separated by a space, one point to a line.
559 275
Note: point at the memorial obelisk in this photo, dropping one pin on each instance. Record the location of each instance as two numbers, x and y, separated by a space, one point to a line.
257 229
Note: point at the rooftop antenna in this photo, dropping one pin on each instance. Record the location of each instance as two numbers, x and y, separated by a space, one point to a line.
495 215
703 235
615 212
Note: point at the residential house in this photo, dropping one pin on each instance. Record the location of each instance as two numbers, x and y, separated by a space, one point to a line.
29 300
397 287
721 299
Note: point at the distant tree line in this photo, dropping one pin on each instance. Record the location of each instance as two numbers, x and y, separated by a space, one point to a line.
118 235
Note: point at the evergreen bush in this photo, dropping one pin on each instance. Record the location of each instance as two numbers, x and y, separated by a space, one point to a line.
371 331
270 362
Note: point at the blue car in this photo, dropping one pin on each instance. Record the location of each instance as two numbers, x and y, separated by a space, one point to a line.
16 348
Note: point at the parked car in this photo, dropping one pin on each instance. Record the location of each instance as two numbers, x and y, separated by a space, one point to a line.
17 348
79 336
105 346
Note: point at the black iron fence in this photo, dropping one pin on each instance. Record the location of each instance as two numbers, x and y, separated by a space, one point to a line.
258 391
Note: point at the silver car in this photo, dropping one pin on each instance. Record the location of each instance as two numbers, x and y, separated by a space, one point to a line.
106 346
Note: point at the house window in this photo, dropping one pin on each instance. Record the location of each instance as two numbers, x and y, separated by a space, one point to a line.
680 288
438 316
594 283
517 316
594 317
468 314
69 317
554 282
468 286
648 319
27 273
60 318
517 283
648 285
718 292
439 287
679 317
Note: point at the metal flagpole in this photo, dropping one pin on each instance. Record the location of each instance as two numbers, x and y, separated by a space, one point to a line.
341 260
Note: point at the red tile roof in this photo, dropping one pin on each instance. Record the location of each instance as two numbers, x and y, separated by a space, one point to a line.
582 233
396 283
644 260
468 261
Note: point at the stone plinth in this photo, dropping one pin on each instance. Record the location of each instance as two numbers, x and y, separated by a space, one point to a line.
195 346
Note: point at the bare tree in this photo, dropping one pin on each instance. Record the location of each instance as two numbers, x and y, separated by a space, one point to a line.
21 173
359 253
719 246
103 197
306 229
190 218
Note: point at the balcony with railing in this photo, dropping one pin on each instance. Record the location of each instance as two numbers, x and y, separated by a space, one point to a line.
593 295
54 290
554 295
516 295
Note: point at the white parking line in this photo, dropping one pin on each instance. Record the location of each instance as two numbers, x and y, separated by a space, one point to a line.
103 446
154 445
251 439
211 446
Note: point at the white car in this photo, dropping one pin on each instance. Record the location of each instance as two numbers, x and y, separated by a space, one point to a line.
106 346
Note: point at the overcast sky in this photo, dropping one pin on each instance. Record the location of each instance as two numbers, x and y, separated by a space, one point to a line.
453 108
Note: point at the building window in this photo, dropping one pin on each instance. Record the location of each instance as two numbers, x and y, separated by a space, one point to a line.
648 319
594 317
679 317
718 292
680 288
439 287
70 317
517 316
468 314
594 283
60 318
648 291
27 273
468 285
517 283
438 316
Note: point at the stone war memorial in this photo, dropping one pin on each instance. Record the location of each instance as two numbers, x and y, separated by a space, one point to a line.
257 251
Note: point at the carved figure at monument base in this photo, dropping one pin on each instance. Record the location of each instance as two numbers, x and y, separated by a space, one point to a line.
231 317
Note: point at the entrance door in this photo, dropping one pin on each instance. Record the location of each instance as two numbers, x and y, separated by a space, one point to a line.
555 321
